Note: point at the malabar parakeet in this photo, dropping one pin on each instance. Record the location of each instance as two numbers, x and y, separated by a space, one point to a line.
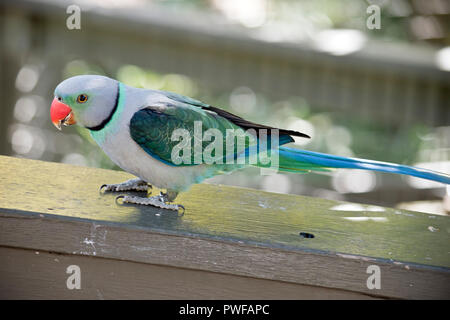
152 134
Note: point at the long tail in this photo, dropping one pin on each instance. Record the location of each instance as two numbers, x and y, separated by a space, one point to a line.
296 160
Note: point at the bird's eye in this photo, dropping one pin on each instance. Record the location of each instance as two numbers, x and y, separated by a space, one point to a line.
82 98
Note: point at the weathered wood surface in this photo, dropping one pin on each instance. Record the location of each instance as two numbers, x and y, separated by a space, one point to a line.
57 209
131 280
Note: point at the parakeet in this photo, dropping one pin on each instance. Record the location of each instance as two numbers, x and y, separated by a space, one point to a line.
142 131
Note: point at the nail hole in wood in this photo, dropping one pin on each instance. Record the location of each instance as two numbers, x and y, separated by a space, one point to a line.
306 235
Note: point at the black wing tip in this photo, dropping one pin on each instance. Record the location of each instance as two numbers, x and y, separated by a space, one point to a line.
245 124
296 134
304 135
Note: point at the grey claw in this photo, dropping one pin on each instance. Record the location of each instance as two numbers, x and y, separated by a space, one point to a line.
129 185
180 214
149 192
120 197
156 201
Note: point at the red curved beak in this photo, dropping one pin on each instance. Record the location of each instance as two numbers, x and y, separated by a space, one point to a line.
61 114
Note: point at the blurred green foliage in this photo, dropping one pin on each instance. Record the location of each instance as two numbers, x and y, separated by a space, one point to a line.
316 15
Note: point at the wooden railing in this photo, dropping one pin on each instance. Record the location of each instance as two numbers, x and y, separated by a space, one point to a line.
230 243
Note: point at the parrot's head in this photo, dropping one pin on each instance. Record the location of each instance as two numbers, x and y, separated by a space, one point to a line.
86 100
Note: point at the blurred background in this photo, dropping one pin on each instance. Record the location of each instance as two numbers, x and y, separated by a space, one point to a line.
311 65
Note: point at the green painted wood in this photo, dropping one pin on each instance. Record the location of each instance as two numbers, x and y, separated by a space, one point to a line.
232 214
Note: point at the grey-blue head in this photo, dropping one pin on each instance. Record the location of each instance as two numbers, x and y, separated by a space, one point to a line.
87 100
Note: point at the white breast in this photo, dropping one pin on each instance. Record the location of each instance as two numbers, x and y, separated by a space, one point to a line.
128 155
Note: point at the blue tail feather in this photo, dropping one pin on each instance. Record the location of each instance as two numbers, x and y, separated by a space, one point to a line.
291 158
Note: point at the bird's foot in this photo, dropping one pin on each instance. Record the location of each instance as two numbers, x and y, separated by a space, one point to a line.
135 184
159 201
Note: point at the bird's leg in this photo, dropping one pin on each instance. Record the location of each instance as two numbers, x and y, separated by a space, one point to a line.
163 200
135 184
169 195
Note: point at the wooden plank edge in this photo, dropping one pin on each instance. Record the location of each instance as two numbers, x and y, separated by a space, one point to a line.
70 235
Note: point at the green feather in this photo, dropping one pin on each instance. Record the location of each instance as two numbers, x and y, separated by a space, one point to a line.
152 128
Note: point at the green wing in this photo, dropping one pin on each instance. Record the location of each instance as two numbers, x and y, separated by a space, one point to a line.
154 129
